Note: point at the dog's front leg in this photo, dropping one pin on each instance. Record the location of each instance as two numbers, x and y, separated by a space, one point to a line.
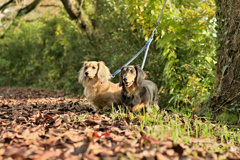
95 108
155 105
126 106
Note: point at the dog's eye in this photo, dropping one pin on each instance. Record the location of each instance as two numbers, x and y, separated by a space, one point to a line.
86 67
131 71
93 67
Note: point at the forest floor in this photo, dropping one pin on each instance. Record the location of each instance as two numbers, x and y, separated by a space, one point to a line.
42 124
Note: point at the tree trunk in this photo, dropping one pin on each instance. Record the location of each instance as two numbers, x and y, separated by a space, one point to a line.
74 16
68 8
227 98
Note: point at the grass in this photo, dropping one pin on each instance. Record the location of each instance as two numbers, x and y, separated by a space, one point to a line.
184 129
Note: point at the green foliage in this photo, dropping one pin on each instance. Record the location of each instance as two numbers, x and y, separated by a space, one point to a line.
38 54
229 118
181 128
48 52
185 46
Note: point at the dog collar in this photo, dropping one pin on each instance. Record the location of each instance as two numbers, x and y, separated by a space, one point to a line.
101 82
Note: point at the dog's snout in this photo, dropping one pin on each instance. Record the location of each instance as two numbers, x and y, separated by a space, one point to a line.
86 73
125 79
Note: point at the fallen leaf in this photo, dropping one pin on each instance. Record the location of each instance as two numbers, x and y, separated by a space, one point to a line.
81 149
25 133
203 119
105 118
94 122
179 149
2 151
57 122
125 148
8 135
90 157
170 152
117 130
90 135
148 139
160 156
66 118
73 136
4 123
47 116
14 152
49 154
201 140
101 135
116 138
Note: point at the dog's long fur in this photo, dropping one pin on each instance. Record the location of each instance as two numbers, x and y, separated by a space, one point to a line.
101 93
137 92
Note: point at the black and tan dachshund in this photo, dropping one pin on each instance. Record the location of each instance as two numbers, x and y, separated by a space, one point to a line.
137 93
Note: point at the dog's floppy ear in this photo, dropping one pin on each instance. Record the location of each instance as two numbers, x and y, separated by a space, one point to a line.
81 73
103 72
141 75
121 79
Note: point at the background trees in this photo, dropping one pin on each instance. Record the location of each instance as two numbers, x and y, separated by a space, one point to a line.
226 101
45 48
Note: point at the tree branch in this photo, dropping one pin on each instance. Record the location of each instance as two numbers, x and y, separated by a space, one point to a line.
69 10
20 13
48 5
74 16
80 2
6 4
28 8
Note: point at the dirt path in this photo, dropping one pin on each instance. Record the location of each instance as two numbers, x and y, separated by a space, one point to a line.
40 124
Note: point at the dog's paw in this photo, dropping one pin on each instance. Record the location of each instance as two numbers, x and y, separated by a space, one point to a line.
106 109
156 106
138 107
149 110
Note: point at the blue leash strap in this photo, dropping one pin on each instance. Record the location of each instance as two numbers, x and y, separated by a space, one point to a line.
146 52
159 17
146 45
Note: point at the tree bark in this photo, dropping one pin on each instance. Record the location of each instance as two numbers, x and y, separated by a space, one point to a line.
74 16
28 8
68 8
21 12
228 65
6 4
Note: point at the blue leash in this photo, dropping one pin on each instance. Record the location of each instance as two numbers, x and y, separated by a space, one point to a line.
147 45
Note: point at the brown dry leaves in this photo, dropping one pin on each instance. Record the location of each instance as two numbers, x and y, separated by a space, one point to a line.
39 124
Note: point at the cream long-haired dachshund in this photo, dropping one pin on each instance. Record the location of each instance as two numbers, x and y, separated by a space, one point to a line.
101 93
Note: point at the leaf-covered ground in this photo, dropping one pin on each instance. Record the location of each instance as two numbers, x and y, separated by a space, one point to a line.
41 124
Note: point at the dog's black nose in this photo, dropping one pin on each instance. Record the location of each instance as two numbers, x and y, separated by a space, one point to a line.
86 73
124 79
